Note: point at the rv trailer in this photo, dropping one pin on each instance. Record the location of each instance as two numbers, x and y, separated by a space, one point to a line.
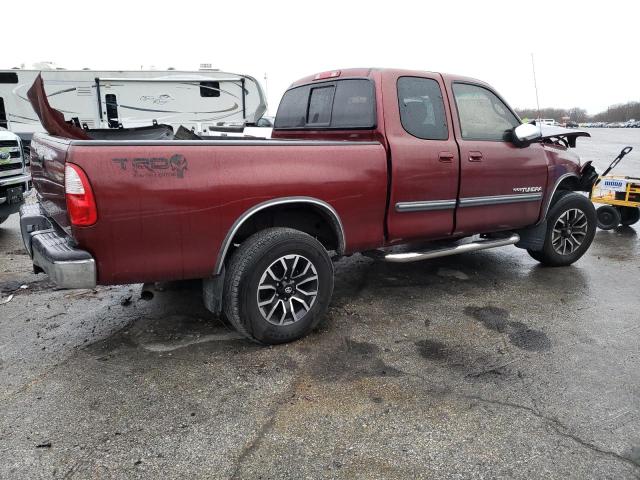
200 100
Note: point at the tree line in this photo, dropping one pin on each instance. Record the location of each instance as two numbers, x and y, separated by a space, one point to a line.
615 113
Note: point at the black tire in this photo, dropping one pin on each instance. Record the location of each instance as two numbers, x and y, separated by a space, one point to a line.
3 219
249 266
608 217
560 250
628 215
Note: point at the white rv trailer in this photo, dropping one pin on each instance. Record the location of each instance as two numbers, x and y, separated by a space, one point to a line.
135 98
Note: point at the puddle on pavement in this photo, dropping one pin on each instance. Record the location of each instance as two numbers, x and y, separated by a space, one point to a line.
519 334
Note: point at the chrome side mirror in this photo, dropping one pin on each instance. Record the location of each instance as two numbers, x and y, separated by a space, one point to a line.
525 134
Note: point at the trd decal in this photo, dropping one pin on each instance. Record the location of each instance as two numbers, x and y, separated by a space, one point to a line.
155 167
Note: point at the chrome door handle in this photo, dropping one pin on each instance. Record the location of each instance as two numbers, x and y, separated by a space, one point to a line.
475 156
446 157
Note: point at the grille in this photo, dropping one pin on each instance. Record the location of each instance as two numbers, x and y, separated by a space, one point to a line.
15 154
8 143
10 166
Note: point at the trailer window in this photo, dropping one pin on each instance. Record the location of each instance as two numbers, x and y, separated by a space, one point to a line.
341 104
320 105
8 77
422 108
209 89
3 114
112 110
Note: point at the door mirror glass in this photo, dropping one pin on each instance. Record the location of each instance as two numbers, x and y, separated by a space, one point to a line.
525 134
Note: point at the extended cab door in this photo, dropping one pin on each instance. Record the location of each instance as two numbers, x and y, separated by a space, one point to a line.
425 162
501 186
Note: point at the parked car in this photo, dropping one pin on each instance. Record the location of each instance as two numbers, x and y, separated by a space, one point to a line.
360 160
15 180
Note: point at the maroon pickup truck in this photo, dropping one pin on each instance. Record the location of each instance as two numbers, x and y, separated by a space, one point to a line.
361 160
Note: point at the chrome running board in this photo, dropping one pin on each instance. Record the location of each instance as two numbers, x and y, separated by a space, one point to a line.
461 248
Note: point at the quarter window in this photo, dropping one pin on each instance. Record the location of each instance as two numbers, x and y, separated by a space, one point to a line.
422 108
483 116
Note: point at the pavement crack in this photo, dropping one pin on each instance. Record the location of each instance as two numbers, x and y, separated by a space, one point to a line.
256 442
559 427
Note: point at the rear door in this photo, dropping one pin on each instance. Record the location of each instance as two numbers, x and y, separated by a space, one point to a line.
501 186
425 164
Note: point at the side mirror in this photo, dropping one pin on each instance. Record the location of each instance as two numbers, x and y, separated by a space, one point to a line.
525 134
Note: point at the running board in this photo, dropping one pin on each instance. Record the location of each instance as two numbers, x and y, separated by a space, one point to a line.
444 252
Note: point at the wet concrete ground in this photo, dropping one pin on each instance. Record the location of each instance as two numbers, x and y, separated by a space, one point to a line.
478 366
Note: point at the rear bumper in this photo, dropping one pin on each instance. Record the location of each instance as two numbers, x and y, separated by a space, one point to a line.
54 252
24 181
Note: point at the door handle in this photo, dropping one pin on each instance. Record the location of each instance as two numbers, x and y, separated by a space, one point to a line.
475 156
446 156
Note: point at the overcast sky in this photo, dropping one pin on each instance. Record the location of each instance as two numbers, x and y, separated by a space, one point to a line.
586 52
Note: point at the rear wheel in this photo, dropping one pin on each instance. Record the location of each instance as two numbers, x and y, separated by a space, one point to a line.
571 226
278 286
608 217
629 215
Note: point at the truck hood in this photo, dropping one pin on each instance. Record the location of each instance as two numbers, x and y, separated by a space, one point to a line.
567 135
7 135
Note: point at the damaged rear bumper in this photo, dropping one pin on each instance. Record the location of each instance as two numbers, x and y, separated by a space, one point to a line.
54 252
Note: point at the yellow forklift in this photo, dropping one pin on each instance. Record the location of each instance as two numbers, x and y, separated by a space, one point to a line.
619 195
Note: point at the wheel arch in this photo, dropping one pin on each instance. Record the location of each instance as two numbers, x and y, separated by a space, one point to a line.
568 181
253 215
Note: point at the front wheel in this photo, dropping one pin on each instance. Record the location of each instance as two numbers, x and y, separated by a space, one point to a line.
278 286
571 226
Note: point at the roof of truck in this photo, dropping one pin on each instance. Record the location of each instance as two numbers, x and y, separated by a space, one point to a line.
371 71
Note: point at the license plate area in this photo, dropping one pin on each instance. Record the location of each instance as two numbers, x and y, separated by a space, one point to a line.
14 195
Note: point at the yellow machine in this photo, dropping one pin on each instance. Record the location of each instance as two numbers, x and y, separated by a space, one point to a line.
620 196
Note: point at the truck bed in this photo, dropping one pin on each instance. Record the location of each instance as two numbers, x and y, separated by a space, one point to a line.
183 196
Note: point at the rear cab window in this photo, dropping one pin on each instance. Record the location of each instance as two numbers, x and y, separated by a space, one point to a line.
339 104
482 115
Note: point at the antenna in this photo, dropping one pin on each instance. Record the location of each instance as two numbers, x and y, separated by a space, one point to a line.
535 84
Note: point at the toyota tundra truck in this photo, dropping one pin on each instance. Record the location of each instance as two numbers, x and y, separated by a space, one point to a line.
360 160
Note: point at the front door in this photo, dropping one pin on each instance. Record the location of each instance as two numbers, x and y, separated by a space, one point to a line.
425 158
501 186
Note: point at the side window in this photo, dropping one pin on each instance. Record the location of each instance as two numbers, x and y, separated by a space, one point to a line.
320 105
3 114
209 89
111 102
422 108
483 116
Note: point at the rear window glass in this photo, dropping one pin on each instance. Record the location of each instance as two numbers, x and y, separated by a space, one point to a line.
339 104
320 105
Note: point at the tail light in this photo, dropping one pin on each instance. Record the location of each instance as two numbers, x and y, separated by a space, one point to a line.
81 204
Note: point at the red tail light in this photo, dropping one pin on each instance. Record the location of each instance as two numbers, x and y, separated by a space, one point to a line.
81 204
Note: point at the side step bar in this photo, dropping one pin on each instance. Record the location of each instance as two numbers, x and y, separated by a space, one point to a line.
443 252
